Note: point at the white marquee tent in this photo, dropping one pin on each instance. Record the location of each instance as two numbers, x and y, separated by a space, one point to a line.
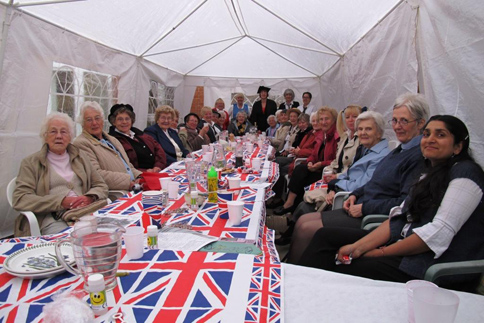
353 51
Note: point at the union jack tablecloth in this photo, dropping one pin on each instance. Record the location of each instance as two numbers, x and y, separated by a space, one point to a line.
163 286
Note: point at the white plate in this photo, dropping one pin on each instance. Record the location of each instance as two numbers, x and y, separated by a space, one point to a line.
38 261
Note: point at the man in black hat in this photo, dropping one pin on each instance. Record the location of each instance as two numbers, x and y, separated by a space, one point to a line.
262 109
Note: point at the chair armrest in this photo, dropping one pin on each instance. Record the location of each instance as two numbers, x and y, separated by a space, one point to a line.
33 223
454 268
339 198
374 218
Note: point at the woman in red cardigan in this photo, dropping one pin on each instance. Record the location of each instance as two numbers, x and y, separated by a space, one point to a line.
308 143
311 171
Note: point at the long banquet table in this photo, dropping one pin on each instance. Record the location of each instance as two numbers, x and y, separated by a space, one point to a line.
173 286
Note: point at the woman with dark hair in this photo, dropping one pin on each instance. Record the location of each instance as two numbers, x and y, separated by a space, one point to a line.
191 137
262 109
143 151
442 219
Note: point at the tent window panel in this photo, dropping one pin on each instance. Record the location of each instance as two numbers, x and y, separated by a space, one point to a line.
158 95
71 86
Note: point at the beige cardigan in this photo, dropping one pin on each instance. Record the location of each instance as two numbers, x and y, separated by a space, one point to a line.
106 161
348 151
32 185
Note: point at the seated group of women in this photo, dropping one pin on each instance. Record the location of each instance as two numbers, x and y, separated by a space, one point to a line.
430 183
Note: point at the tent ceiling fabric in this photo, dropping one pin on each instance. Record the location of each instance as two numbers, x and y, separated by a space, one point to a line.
222 38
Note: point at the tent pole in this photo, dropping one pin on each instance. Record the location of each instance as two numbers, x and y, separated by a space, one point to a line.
284 58
172 29
298 29
295 46
5 27
41 3
194 46
208 60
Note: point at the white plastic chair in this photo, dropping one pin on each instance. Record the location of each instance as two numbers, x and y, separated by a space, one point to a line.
392 144
31 218
339 199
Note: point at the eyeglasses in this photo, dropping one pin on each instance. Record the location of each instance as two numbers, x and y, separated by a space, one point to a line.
165 118
96 118
402 122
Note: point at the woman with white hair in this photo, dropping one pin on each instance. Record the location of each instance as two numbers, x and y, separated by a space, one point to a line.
106 152
289 100
240 126
56 179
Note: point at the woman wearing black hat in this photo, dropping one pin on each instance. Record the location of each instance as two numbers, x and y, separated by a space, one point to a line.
190 137
262 109
143 151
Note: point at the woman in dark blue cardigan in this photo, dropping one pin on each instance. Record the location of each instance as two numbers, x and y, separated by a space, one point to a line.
442 219
165 136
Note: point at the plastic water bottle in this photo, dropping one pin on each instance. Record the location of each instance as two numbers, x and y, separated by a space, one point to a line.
212 182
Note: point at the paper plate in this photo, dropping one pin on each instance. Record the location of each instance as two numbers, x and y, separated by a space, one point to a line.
38 261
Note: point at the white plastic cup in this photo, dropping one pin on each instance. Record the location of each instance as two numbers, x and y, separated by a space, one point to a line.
411 286
173 190
234 182
205 149
249 147
256 163
164 183
433 304
133 241
326 173
236 210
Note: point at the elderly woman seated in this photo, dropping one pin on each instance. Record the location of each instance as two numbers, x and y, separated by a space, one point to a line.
273 126
441 220
143 151
240 126
389 185
56 179
322 155
106 153
166 136
191 138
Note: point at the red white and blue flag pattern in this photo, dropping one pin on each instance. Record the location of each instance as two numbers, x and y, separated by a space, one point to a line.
316 185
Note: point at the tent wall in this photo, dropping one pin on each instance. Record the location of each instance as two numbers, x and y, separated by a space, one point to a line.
378 68
451 43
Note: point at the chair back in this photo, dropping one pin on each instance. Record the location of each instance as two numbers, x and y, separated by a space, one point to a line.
10 189
392 144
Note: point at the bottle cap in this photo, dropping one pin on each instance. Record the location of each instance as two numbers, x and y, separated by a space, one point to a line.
152 230
96 282
212 172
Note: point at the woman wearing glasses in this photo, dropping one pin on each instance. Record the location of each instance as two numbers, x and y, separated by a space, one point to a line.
389 185
165 136
441 220
56 179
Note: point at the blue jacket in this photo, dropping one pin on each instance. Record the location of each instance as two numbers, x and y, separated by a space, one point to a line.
156 132
362 170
